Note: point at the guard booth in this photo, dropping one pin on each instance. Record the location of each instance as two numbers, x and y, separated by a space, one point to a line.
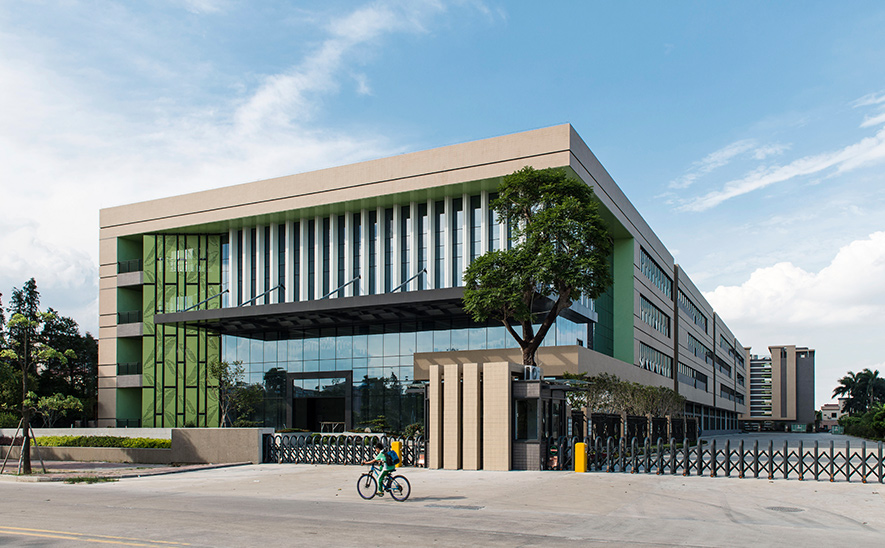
540 418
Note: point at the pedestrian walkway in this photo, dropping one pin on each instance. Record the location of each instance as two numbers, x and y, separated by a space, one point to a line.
68 470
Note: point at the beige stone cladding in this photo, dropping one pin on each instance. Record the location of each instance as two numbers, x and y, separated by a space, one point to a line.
435 414
496 425
471 443
452 416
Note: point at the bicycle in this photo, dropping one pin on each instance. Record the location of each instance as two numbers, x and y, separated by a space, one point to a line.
398 486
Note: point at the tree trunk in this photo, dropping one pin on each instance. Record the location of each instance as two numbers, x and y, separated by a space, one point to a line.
26 413
528 354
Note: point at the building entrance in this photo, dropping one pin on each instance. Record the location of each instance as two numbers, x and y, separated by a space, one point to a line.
320 401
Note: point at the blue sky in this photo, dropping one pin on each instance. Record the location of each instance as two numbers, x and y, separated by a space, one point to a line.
750 135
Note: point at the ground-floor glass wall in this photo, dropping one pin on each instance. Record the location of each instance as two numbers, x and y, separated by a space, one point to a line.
380 357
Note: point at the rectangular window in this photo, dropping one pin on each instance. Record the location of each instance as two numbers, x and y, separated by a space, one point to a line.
700 350
654 316
655 361
373 247
240 267
253 259
357 234
692 377
405 240
296 259
340 244
526 419
475 227
281 263
388 250
439 227
267 259
311 259
691 310
655 273
423 235
327 244
457 227
225 273
494 228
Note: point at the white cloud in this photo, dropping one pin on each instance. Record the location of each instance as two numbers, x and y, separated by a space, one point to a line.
863 153
66 151
839 310
205 6
712 161
870 99
849 291
724 156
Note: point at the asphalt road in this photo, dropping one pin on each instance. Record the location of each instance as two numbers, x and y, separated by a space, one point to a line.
298 505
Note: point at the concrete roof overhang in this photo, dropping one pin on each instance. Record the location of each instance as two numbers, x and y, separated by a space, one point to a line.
272 321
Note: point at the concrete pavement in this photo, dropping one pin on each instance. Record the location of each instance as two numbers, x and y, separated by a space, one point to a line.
295 505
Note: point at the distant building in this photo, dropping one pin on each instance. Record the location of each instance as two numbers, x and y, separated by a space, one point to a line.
830 413
781 388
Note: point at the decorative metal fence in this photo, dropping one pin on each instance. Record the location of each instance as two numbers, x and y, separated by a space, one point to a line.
864 462
337 449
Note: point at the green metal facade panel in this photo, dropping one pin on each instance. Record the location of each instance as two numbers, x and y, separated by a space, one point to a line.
128 403
182 270
603 331
623 292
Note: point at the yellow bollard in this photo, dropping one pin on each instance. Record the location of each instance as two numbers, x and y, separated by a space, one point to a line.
398 447
580 457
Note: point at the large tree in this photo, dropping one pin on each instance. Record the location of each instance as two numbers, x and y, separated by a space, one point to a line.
26 350
560 253
861 391
77 376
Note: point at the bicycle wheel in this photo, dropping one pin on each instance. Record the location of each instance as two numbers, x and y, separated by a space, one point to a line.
367 486
399 487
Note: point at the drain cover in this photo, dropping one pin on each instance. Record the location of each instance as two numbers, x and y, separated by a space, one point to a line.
455 506
784 509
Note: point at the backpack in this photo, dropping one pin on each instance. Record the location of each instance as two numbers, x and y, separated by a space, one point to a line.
391 458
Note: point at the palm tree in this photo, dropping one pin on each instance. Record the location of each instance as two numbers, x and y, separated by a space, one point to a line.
862 391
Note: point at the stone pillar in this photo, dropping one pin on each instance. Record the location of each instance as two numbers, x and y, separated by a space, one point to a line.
452 416
497 430
435 402
470 394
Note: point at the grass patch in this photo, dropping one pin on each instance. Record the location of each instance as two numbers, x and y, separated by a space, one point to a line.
89 479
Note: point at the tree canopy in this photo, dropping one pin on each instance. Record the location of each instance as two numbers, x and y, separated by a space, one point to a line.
560 252
862 391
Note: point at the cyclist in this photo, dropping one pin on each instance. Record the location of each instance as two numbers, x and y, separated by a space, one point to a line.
383 467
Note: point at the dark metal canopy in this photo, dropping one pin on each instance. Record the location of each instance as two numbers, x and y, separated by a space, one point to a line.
268 321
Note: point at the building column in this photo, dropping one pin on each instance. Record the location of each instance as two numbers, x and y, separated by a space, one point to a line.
364 253
435 413
233 255
414 243
452 416
333 255
430 277
305 283
260 247
290 261
246 257
497 430
274 244
472 401
484 222
448 249
348 252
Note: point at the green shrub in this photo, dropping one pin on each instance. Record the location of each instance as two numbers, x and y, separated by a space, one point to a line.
9 420
103 441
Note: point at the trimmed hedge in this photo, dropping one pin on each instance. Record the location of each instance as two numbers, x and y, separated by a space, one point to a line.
104 441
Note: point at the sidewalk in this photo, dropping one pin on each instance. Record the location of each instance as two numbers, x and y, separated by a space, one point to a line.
66 470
